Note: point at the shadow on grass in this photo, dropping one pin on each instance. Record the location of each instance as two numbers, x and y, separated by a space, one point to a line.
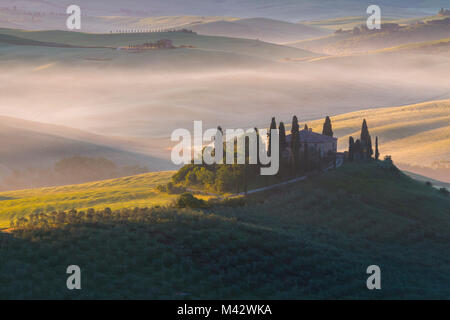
6 198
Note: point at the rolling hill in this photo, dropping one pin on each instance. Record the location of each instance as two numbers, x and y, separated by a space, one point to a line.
435 183
128 192
441 46
259 28
347 42
348 23
205 45
416 134
312 240
28 144
264 29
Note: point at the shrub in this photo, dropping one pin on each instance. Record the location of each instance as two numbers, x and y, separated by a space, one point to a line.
187 200
170 188
229 202
161 188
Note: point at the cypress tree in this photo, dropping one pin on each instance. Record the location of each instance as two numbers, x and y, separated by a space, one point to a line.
295 127
247 155
366 141
357 148
327 128
369 147
306 157
364 131
306 127
282 136
283 146
257 146
377 153
295 143
219 129
273 126
351 148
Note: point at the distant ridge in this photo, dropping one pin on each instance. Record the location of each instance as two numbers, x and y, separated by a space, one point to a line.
28 144
260 28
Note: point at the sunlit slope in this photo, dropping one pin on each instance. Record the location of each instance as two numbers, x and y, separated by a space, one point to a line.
123 22
127 192
340 23
347 23
430 29
416 134
441 46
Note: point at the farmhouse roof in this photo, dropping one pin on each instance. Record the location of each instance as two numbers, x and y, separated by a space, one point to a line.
312 137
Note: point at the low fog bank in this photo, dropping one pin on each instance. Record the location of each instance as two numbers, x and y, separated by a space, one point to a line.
145 104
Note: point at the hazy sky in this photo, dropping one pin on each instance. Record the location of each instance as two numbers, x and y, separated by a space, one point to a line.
281 9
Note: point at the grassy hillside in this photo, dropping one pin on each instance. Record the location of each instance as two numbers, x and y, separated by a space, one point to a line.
265 29
345 23
441 46
30 144
313 240
432 29
204 44
415 134
12 40
348 23
260 28
435 183
119 193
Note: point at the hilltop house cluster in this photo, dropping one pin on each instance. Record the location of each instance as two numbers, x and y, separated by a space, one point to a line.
312 150
444 12
157 30
322 143
158 45
303 150
395 27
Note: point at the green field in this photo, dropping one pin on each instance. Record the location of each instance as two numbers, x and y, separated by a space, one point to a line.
311 240
128 192
206 44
